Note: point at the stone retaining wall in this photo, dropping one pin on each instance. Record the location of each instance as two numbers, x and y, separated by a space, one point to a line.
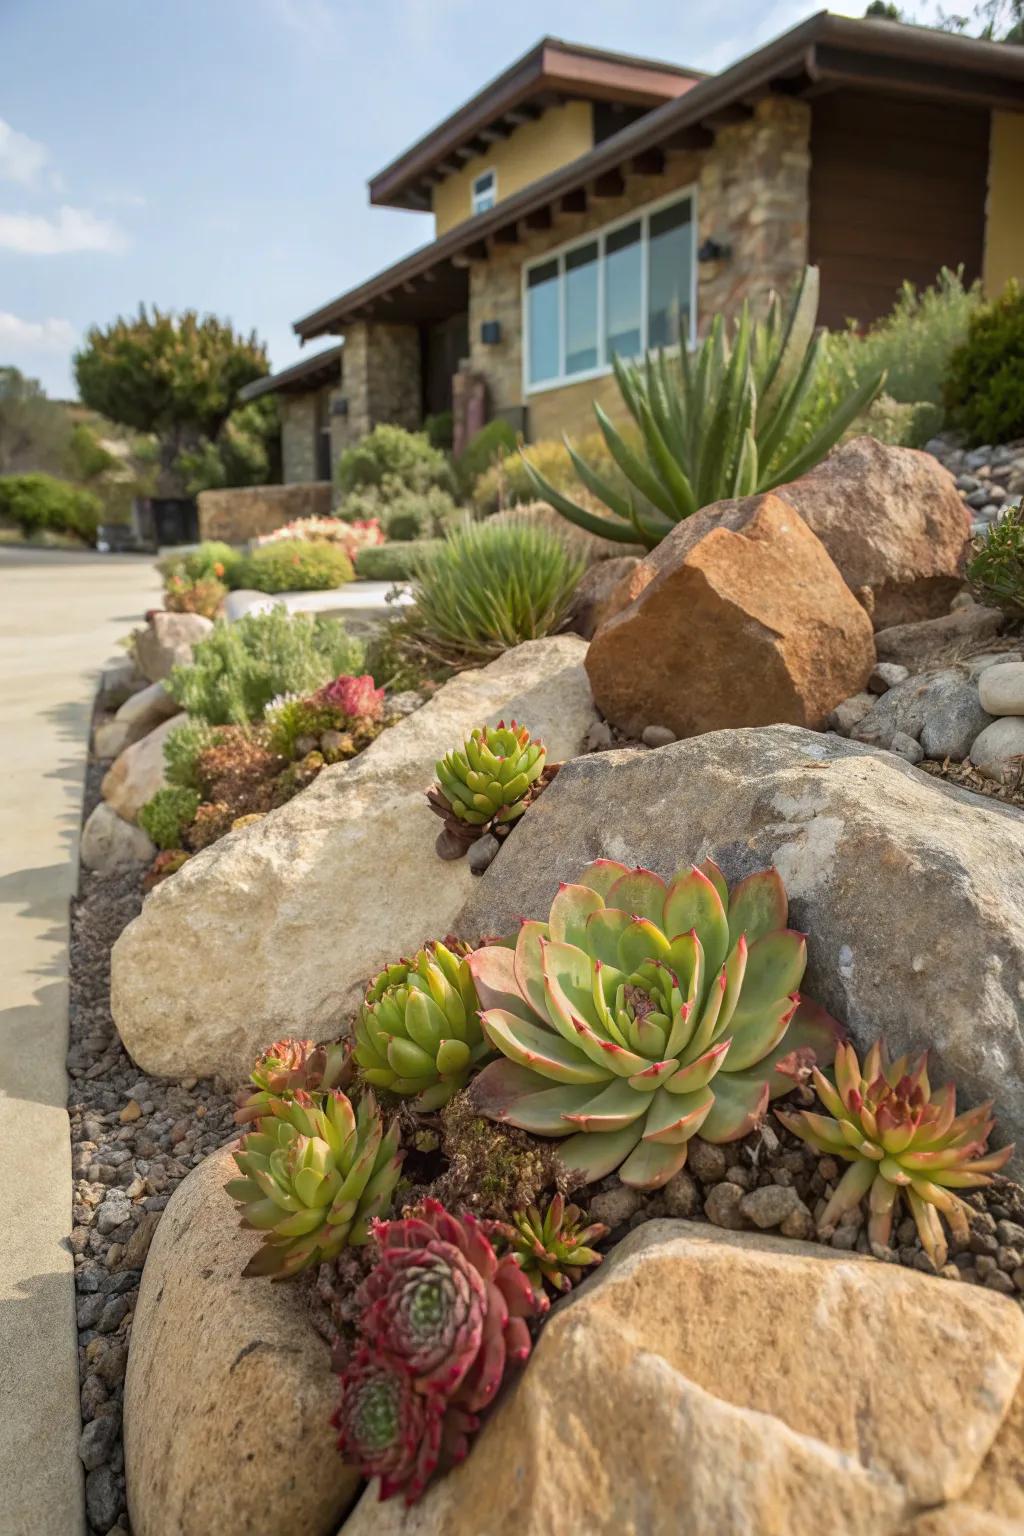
250 510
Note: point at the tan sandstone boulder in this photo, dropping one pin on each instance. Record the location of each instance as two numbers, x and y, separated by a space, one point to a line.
136 775
739 618
275 929
229 1390
909 890
714 1383
167 641
893 522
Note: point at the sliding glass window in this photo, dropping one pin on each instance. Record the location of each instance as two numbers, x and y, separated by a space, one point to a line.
620 292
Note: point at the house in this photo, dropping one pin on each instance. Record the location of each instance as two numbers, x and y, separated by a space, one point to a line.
587 203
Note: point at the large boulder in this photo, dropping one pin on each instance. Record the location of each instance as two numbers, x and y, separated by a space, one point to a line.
715 1383
138 772
167 641
893 522
275 929
739 617
229 1390
909 889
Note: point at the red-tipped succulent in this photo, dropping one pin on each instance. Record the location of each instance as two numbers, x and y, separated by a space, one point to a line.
357 698
294 1066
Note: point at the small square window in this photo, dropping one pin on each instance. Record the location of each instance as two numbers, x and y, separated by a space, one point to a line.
485 191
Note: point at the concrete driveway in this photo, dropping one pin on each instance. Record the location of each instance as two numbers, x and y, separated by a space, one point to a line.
61 616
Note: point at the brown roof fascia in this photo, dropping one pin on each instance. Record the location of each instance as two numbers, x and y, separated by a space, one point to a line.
301 376
804 49
550 66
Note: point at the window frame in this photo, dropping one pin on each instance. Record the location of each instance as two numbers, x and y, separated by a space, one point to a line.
558 253
491 171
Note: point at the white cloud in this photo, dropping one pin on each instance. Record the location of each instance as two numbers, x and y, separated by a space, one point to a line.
71 229
21 158
34 335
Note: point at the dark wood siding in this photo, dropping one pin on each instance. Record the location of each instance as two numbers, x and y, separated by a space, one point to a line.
897 190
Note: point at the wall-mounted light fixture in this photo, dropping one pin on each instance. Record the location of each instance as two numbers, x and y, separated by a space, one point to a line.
339 407
490 333
714 250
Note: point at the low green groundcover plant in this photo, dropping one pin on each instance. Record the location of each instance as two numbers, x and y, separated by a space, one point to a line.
42 504
488 588
237 669
212 559
295 565
394 562
996 566
165 817
985 387
725 422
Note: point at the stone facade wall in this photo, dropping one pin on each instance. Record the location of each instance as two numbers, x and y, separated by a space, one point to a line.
298 437
751 196
241 514
382 381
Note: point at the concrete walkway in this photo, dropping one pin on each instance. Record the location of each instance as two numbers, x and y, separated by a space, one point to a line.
61 616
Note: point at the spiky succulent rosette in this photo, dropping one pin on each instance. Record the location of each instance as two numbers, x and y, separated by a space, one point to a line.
315 1172
643 1011
487 782
901 1139
553 1247
388 1429
294 1066
444 1307
418 1030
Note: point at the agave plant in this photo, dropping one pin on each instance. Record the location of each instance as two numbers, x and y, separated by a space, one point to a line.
642 1012
315 1172
724 422
553 1247
899 1138
442 1306
390 1430
489 781
418 1030
294 1066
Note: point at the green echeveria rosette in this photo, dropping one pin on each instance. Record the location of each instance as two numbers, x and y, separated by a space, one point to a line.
487 780
555 1246
418 1030
644 1011
315 1173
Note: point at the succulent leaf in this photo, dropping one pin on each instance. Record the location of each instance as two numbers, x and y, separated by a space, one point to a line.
640 1013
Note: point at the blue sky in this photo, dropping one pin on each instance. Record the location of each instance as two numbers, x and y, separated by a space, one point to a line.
215 153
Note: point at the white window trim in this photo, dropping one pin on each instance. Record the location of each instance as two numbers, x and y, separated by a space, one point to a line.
493 190
557 252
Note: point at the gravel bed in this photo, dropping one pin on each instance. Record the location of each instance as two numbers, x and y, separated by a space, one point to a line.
133 1139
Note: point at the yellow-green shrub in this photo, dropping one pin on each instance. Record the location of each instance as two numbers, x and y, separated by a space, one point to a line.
506 483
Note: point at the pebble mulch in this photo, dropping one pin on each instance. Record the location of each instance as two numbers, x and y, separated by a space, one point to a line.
133 1139
987 478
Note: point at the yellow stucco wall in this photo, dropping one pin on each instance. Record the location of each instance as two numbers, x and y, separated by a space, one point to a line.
1004 222
571 409
531 151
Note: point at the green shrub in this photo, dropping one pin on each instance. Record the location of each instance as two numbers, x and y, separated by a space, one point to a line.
996 566
183 595
488 588
899 424
507 483
41 503
393 455
213 558
490 445
393 562
420 515
725 422
87 456
295 565
182 749
985 385
239 668
913 344
165 817
439 429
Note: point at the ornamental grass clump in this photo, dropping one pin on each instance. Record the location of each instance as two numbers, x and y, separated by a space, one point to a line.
901 1141
314 1173
724 422
486 784
553 1247
442 1318
487 588
418 1030
643 1011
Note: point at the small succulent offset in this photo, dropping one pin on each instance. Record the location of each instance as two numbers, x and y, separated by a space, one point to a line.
487 783
553 1247
315 1172
418 1030
294 1066
643 1011
899 1138
442 1317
